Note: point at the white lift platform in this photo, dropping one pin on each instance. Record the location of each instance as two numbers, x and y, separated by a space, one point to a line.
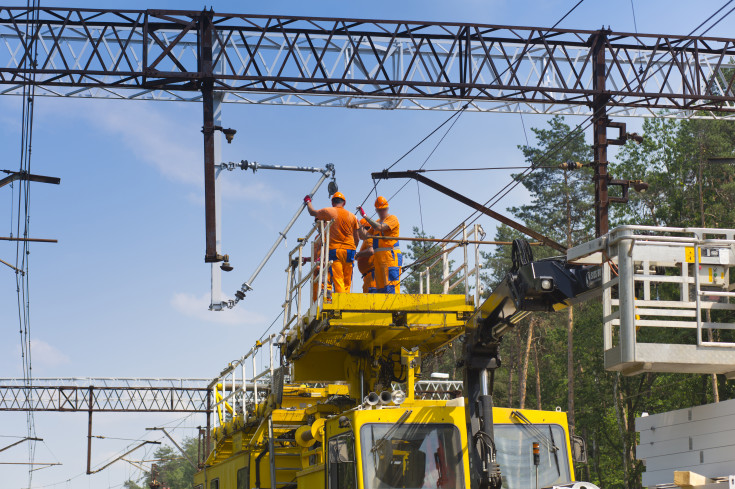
673 278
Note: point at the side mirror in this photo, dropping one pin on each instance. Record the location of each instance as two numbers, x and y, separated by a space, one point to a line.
579 450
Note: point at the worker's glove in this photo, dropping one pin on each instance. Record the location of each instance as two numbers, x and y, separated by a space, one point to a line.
362 211
307 199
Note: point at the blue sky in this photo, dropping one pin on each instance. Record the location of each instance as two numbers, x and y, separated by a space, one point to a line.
125 291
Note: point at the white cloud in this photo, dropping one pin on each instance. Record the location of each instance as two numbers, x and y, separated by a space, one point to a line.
46 355
197 307
171 145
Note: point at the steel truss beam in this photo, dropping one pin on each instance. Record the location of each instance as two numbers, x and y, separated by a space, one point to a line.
158 55
106 395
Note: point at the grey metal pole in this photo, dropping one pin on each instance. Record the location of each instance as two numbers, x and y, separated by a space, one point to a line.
627 299
246 286
216 286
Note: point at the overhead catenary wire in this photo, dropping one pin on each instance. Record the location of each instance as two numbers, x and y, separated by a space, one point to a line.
22 250
724 6
458 113
179 421
485 168
511 185
515 181
567 14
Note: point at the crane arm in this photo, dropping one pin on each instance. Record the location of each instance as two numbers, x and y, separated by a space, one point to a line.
543 285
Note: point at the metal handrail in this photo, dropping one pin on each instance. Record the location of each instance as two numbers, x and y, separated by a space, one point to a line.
464 271
686 313
230 391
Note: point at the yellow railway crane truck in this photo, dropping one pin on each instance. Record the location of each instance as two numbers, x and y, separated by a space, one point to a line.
332 400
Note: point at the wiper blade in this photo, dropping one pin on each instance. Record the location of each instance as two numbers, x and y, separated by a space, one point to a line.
549 442
379 443
556 457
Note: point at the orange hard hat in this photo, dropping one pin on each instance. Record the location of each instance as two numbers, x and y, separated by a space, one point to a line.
339 195
381 203
364 222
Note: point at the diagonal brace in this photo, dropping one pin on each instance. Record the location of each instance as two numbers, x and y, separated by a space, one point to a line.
475 205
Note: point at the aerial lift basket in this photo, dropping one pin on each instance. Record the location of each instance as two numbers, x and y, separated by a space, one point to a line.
667 298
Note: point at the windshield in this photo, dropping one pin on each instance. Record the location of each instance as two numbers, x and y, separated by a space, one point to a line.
514 443
411 456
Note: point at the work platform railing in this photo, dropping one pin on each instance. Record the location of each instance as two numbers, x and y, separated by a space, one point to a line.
457 243
456 259
298 276
244 383
677 279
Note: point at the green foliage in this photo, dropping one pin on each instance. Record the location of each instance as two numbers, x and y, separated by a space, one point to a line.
673 160
429 254
686 188
561 201
173 471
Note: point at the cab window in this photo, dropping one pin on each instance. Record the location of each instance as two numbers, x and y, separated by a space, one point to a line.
214 484
341 467
514 443
411 455
243 478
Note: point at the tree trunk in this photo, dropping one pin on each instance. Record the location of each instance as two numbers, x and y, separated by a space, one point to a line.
510 385
621 426
538 375
570 368
454 361
634 481
524 372
715 388
512 357
570 319
700 184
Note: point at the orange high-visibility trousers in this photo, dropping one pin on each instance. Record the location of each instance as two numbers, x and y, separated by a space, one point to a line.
340 270
368 282
388 265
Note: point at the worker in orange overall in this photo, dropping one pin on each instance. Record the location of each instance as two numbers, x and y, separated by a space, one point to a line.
343 239
364 259
387 257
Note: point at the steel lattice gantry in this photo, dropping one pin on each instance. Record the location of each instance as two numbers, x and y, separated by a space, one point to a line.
106 395
111 395
171 55
190 55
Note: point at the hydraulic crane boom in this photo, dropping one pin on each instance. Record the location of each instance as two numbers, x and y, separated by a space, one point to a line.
544 285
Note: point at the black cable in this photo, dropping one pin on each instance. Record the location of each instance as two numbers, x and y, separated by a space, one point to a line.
514 182
565 15
461 111
427 158
421 211
484 168
691 40
29 63
455 114
269 327
523 124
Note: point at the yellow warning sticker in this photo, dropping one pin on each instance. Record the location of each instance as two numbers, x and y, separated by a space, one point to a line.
689 254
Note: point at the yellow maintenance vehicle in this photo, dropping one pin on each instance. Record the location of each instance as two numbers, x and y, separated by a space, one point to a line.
337 398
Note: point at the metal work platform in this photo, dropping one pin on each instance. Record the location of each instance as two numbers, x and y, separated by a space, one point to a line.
672 279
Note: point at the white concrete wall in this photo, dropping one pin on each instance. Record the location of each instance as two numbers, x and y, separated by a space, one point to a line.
700 439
